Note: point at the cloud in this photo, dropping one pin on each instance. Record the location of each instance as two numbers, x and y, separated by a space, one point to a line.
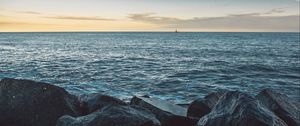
64 16
245 15
13 23
273 23
275 10
270 12
250 21
29 12
2 23
80 18
149 17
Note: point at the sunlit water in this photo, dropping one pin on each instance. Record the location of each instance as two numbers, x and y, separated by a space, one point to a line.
175 66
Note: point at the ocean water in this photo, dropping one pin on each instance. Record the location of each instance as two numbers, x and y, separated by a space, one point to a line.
174 66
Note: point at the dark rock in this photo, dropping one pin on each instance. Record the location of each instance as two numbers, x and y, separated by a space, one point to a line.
93 102
113 115
168 113
281 105
203 106
29 103
239 109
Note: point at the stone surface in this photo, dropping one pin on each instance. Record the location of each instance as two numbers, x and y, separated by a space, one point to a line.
203 106
113 115
239 109
281 105
92 102
168 113
29 103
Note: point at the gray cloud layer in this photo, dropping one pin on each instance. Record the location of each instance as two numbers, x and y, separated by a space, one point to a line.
250 21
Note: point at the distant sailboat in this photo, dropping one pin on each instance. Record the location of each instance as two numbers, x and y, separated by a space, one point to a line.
176 31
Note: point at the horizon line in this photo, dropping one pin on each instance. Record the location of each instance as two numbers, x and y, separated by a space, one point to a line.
154 31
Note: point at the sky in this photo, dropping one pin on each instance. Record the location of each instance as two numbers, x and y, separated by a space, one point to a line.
150 15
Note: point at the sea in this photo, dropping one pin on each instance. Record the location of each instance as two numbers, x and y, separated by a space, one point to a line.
179 67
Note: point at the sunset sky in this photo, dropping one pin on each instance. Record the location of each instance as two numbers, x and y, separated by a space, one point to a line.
149 15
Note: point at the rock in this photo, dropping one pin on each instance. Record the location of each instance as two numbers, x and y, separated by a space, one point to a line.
93 102
281 105
29 103
113 115
203 106
169 114
239 109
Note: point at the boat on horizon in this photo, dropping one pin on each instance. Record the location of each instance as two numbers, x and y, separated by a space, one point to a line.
176 31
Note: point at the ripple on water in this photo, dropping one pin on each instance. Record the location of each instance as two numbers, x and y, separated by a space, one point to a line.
178 68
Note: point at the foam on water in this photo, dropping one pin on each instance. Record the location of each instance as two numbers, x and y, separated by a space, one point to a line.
178 67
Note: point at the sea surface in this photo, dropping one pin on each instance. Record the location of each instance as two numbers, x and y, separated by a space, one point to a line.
174 66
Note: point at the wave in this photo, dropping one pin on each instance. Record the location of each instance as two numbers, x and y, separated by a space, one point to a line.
256 68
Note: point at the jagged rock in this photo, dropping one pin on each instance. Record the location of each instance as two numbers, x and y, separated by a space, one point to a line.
29 103
203 106
168 113
93 102
239 109
281 105
113 115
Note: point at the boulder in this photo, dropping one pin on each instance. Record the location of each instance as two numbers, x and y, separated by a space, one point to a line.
92 102
168 113
239 109
281 105
203 106
113 115
29 103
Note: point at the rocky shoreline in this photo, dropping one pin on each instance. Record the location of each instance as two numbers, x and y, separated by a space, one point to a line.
30 103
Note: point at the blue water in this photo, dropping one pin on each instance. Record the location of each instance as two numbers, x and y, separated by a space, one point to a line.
175 66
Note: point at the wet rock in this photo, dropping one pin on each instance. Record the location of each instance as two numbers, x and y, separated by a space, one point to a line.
29 103
281 105
203 106
92 102
113 115
168 113
239 109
